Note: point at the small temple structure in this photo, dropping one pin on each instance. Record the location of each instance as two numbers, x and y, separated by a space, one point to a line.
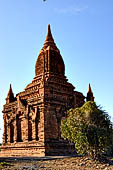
32 119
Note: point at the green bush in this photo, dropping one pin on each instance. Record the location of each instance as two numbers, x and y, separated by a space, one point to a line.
90 128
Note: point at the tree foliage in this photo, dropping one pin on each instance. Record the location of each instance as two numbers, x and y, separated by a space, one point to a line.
90 128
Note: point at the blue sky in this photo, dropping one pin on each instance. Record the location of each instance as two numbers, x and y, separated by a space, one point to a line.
82 30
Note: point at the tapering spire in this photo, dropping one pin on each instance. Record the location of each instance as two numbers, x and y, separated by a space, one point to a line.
10 90
49 41
49 36
49 58
90 96
10 96
89 89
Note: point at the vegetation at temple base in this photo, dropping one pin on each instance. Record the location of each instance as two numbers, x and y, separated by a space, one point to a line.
89 128
5 164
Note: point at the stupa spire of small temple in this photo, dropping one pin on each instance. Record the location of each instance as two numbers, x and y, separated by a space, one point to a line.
90 96
49 58
49 36
10 96
49 41
10 90
89 89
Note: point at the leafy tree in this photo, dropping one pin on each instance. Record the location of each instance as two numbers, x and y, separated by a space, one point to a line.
90 128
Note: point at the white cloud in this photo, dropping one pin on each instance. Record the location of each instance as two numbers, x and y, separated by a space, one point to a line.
71 10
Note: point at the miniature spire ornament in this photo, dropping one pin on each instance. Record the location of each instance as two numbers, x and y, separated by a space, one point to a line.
10 96
90 96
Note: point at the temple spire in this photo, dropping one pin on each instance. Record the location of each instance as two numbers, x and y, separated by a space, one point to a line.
49 36
89 89
49 41
10 96
49 59
90 96
10 90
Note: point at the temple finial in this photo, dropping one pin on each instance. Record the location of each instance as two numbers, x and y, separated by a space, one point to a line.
49 36
49 41
90 96
10 96
89 88
49 28
10 90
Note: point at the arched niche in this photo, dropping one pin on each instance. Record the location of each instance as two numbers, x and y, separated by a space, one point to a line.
29 124
19 128
11 132
5 130
37 119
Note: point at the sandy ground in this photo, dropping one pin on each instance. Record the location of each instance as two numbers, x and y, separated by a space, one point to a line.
54 163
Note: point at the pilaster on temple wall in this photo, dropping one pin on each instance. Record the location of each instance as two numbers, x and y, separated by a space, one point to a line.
24 125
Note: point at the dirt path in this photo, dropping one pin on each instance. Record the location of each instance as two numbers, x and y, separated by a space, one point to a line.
54 163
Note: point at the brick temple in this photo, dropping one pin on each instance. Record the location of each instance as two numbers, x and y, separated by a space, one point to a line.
32 119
